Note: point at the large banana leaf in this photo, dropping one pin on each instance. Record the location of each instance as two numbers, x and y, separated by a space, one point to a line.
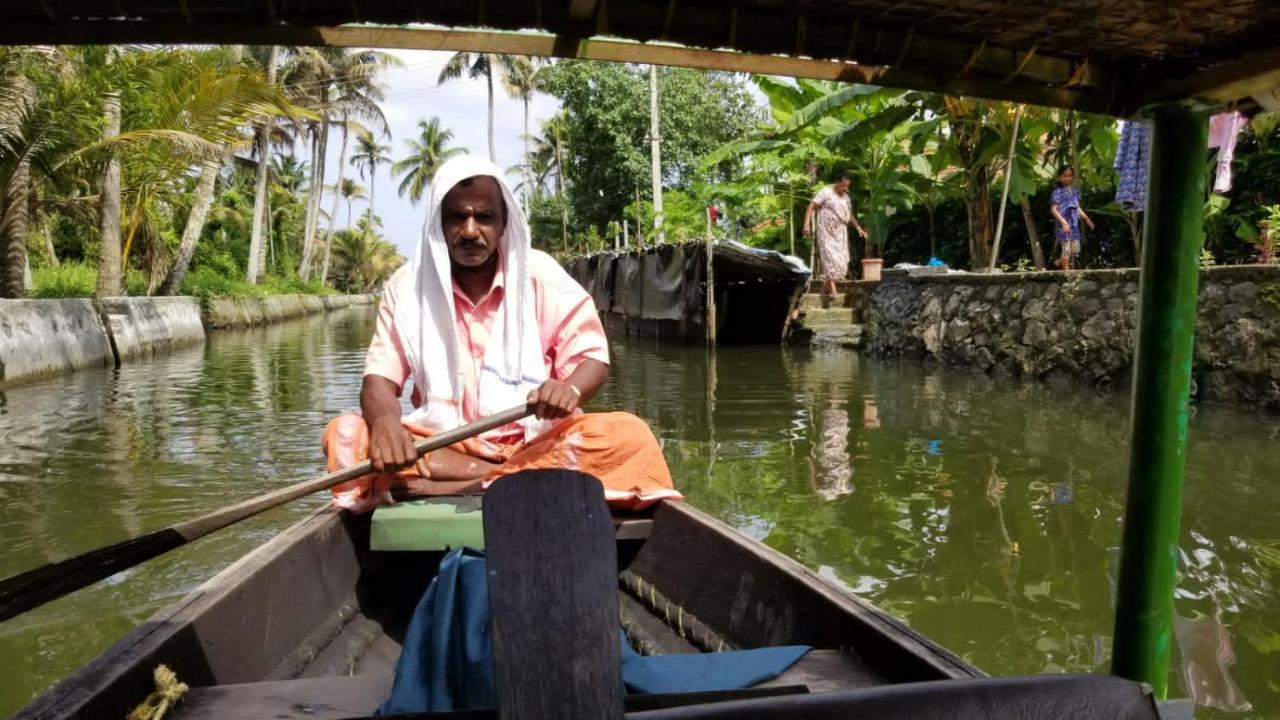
828 104
744 147
858 133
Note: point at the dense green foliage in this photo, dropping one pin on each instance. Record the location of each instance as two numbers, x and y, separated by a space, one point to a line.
607 161
929 172
187 184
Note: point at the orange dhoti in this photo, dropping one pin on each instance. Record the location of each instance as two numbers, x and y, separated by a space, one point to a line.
618 448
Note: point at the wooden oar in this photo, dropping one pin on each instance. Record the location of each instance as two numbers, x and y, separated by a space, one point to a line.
38 586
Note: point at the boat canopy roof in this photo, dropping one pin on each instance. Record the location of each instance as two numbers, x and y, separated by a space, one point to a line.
1106 56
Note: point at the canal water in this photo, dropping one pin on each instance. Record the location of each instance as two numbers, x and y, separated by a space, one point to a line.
985 513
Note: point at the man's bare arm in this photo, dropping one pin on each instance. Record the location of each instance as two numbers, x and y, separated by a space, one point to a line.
391 446
559 398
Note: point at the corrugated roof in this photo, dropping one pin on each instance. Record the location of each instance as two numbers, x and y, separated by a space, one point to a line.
1101 55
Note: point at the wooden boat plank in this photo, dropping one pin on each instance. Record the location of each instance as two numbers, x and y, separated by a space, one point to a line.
330 698
356 698
827 671
208 637
381 657
345 652
757 597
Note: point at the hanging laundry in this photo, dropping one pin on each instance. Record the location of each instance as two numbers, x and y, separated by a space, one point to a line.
1224 129
1133 161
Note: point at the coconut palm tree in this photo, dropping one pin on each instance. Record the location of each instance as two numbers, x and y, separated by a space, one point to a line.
362 259
553 146
339 83
476 66
217 100
261 148
427 153
368 156
350 190
522 82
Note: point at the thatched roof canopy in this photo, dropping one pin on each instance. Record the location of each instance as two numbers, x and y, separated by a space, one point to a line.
1111 56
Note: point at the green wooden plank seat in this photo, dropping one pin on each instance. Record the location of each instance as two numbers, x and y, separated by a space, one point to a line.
428 524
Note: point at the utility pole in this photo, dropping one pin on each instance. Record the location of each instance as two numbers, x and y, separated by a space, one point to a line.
655 141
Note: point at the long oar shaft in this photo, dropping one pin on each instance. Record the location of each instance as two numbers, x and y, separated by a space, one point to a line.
38 586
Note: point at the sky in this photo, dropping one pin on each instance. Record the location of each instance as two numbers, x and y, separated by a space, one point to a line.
412 94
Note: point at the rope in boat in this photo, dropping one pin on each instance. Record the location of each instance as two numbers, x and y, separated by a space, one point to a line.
681 621
167 694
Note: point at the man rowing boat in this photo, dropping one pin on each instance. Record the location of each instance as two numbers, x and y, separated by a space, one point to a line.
480 322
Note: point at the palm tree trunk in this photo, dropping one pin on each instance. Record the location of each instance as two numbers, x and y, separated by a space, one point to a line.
195 225
493 153
13 232
49 249
308 240
110 280
1037 252
333 214
261 143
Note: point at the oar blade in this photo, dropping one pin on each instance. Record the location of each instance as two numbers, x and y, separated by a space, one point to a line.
553 597
38 586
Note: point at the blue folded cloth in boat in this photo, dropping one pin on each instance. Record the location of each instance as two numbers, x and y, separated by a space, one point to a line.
447 662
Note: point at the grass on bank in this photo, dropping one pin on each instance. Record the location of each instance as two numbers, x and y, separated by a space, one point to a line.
75 280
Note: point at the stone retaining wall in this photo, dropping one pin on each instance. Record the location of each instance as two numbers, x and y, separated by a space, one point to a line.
1079 325
43 337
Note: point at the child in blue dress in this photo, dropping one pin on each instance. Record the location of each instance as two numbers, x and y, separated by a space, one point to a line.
1064 205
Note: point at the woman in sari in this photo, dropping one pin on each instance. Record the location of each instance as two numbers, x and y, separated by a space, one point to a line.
833 213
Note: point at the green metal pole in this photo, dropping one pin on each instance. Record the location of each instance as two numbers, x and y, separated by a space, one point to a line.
1161 385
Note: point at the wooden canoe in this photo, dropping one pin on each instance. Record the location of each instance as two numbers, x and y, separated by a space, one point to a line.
308 626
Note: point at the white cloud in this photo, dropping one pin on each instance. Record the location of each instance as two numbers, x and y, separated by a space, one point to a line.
412 94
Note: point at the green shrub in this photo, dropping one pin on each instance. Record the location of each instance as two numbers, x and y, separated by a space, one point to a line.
80 279
68 280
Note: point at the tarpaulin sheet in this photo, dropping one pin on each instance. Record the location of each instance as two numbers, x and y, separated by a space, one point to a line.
628 280
695 283
602 281
585 274
663 298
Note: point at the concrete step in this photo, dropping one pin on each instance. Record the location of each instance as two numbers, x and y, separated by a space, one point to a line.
817 287
845 337
832 317
814 301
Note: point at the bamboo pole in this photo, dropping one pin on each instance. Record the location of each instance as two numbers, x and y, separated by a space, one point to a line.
1004 194
711 286
1161 385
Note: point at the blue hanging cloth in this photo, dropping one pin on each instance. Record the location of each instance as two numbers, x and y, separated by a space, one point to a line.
1132 163
447 661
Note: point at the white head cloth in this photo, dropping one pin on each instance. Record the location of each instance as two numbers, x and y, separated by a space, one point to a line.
513 361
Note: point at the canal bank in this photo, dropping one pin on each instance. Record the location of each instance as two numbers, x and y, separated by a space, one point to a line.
46 337
1077 327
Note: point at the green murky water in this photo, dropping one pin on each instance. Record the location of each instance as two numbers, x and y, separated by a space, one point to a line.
985 513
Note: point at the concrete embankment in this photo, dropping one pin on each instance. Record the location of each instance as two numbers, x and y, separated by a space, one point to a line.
45 337
245 312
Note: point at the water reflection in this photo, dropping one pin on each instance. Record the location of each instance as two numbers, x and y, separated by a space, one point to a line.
986 512
94 457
